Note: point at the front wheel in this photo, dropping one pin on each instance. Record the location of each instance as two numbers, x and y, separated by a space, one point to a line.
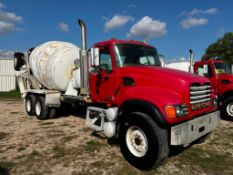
143 143
227 108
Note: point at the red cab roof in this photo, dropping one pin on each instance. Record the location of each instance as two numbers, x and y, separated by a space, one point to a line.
209 61
115 41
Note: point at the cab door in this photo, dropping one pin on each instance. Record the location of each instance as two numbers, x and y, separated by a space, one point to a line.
104 82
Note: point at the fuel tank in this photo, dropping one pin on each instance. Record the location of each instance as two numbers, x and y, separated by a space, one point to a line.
52 64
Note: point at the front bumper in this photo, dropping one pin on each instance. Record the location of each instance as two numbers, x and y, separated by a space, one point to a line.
191 130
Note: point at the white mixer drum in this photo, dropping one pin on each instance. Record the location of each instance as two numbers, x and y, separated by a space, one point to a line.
52 64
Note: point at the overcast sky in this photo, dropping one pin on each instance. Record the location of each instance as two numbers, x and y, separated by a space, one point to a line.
172 27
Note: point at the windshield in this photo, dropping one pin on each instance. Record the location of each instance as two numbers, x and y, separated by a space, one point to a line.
132 54
222 68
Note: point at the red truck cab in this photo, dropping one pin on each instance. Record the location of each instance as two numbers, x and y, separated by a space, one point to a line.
220 75
156 107
131 71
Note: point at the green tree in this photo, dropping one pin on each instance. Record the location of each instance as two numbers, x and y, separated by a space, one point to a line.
222 49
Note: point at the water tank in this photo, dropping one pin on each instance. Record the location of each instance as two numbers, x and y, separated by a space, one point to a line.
52 64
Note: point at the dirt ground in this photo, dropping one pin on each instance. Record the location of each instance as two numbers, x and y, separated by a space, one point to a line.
64 146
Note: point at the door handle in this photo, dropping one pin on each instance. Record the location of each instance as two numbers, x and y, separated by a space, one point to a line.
105 78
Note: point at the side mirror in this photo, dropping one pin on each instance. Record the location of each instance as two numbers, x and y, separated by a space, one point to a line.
95 59
205 69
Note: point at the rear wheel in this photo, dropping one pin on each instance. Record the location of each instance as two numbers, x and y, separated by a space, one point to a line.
30 101
143 143
227 108
41 110
52 112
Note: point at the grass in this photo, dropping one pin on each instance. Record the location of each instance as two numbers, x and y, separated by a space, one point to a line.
46 123
206 160
34 153
65 124
21 148
92 146
60 151
15 94
14 112
68 138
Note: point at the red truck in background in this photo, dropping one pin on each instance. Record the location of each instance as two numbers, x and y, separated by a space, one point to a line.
220 75
128 95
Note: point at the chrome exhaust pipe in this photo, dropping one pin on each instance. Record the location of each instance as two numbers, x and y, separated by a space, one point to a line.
84 63
191 56
84 36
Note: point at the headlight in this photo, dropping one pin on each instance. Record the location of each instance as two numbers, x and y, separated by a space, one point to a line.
174 111
215 101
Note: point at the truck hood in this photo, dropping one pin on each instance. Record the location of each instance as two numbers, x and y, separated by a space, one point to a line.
166 74
163 78
226 77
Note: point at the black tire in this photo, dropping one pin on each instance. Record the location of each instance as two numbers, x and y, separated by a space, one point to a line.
157 149
18 60
42 111
52 112
30 102
227 108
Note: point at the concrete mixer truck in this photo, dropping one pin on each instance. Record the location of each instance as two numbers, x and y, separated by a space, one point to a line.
128 95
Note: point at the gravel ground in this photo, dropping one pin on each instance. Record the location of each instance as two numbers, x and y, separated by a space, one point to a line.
65 146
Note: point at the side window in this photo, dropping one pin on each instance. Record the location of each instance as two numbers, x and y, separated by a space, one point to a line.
200 71
105 60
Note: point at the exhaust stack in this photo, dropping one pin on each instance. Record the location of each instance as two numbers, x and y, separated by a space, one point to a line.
191 60
84 63
83 32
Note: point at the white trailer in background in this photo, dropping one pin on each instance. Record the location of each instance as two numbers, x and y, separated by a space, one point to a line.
182 65
7 75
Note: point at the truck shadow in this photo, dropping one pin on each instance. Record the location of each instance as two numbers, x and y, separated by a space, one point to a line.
227 119
176 150
66 111
4 170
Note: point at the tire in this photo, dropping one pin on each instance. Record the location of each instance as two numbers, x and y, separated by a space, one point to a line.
142 142
227 108
41 111
18 60
16 64
52 112
30 102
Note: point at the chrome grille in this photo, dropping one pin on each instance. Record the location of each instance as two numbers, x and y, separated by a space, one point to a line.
199 93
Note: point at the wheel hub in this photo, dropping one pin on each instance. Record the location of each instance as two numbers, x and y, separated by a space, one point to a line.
38 108
28 105
136 141
230 109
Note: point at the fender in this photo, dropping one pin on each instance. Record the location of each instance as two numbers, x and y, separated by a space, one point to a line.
227 93
142 106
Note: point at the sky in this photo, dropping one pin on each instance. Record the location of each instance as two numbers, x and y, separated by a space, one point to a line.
173 27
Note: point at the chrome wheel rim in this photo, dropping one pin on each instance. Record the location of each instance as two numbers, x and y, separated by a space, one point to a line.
28 105
38 108
136 141
230 109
